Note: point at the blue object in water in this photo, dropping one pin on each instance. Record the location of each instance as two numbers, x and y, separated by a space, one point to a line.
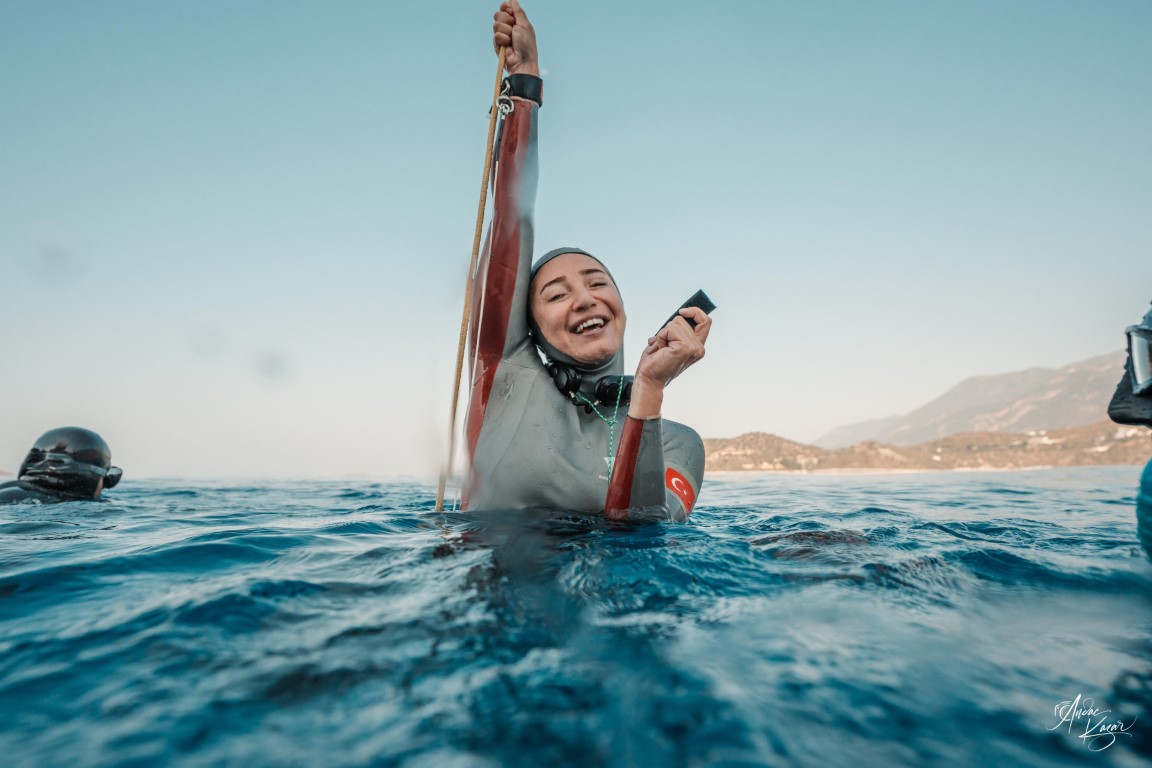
1144 509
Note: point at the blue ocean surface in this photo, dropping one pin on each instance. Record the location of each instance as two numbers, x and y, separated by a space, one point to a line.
797 620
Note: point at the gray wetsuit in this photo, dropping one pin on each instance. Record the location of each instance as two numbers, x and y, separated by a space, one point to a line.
529 444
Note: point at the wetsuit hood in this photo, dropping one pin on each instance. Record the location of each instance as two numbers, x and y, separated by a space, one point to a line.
71 462
589 373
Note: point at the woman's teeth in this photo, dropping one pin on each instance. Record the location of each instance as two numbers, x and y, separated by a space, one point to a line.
594 322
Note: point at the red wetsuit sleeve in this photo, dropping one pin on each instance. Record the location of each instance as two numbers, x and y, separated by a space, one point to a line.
657 471
619 499
637 480
499 318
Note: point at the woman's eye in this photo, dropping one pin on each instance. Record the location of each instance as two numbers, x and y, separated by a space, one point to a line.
554 297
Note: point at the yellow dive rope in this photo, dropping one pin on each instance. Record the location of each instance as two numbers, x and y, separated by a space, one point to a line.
493 116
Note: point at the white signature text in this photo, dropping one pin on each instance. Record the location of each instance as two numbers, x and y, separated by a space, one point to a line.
1100 731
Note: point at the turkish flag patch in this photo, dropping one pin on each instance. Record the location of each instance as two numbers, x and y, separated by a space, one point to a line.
680 486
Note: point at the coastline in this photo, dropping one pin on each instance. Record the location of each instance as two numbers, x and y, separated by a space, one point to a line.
1099 444
897 470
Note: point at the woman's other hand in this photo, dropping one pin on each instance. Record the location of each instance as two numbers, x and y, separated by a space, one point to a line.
669 353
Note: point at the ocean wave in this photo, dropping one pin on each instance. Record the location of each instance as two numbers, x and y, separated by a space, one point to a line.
806 621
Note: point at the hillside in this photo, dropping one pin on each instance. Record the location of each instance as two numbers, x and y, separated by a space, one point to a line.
1035 399
1101 443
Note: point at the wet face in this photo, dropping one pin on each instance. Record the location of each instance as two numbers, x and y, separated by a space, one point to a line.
578 309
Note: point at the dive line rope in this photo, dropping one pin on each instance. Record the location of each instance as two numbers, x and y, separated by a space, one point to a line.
493 116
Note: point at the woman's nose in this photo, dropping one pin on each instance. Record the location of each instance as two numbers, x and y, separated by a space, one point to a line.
583 298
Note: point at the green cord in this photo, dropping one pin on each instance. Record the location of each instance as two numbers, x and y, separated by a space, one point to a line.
610 422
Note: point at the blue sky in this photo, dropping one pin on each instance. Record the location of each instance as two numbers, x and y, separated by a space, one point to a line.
233 236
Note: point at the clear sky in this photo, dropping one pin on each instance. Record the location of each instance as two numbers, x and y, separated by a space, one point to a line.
234 236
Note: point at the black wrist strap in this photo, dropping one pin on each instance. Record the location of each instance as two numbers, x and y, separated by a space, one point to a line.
526 87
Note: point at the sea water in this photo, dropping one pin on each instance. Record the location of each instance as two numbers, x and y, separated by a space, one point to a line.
806 620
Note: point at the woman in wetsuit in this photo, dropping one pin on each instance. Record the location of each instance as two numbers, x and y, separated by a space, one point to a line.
564 432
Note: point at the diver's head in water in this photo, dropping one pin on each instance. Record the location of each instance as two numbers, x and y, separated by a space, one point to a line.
1132 401
70 462
575 310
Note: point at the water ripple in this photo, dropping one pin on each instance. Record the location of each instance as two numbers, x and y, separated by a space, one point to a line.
804 620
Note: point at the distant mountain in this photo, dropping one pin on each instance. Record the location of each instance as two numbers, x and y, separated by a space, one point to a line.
1096 444
1035 399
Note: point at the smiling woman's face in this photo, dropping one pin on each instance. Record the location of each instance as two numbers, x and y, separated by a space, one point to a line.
578 309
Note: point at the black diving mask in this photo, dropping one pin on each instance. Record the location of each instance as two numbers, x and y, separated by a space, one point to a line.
61 472
1140 353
